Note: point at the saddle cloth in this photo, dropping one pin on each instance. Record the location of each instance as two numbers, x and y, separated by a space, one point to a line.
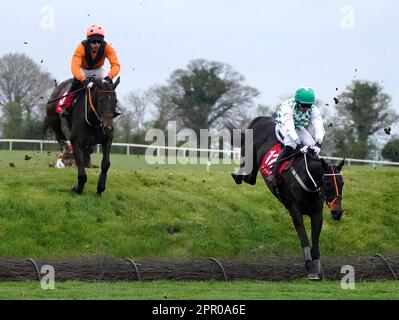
65 102
268 162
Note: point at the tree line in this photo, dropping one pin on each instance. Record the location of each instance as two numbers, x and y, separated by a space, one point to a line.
204 95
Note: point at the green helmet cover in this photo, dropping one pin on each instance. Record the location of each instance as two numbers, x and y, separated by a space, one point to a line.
305 95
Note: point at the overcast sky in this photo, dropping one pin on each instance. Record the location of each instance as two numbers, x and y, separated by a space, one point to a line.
276 45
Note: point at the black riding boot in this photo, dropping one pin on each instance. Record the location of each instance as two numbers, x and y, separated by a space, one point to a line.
76 85
286 152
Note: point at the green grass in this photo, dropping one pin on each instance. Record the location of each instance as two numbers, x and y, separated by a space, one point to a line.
176 211
167 290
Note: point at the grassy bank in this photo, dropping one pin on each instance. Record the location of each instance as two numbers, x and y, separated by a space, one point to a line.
176 211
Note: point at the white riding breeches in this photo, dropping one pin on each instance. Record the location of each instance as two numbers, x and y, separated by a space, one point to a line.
98 73
303 134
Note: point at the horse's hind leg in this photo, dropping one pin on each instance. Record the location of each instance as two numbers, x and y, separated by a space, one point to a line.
55 124
87 156
105 164
248 169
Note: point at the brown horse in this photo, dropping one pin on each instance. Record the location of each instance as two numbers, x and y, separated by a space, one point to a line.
90 123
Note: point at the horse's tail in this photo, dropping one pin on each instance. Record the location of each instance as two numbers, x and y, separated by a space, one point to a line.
46 124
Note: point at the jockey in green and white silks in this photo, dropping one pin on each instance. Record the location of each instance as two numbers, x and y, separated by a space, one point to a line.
292 124
292 120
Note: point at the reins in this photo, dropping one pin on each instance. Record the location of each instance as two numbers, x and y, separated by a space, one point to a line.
64 96
282 160
90 98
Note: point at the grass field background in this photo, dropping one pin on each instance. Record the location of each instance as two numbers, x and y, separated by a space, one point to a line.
181 211
236 290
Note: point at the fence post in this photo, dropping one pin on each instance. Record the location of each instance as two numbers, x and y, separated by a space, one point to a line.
10 145
41 146
98 148
127 149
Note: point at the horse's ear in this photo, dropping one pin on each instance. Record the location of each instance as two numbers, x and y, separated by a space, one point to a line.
116 83
341 164
324 164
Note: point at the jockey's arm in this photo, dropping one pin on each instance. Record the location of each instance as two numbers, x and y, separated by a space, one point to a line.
287 120
77 61
318 126
113 61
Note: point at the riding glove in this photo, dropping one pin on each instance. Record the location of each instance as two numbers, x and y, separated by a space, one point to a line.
87 83
316 150
303 148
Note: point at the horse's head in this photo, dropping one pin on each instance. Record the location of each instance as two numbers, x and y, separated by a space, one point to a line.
105 103
333 184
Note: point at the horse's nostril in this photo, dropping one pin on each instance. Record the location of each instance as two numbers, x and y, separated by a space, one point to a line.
336 215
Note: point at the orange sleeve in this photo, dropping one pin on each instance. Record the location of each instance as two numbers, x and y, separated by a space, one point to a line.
77 61
113 61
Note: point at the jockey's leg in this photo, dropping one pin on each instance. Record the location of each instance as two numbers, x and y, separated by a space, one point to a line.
289 148
286 152
76 85
98 74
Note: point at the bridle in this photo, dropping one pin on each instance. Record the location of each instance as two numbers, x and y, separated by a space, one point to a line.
90 98
333 199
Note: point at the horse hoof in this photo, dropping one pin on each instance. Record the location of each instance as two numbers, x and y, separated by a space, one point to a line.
237 178
313 276
76 190
319 268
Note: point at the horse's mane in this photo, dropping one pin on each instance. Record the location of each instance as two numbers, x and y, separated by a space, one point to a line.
101 84
261 118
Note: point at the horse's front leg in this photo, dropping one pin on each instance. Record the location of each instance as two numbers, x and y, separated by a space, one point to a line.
79 158
316 223
303 237
105 164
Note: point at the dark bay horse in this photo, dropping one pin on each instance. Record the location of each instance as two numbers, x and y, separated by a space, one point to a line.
91 123
302 188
